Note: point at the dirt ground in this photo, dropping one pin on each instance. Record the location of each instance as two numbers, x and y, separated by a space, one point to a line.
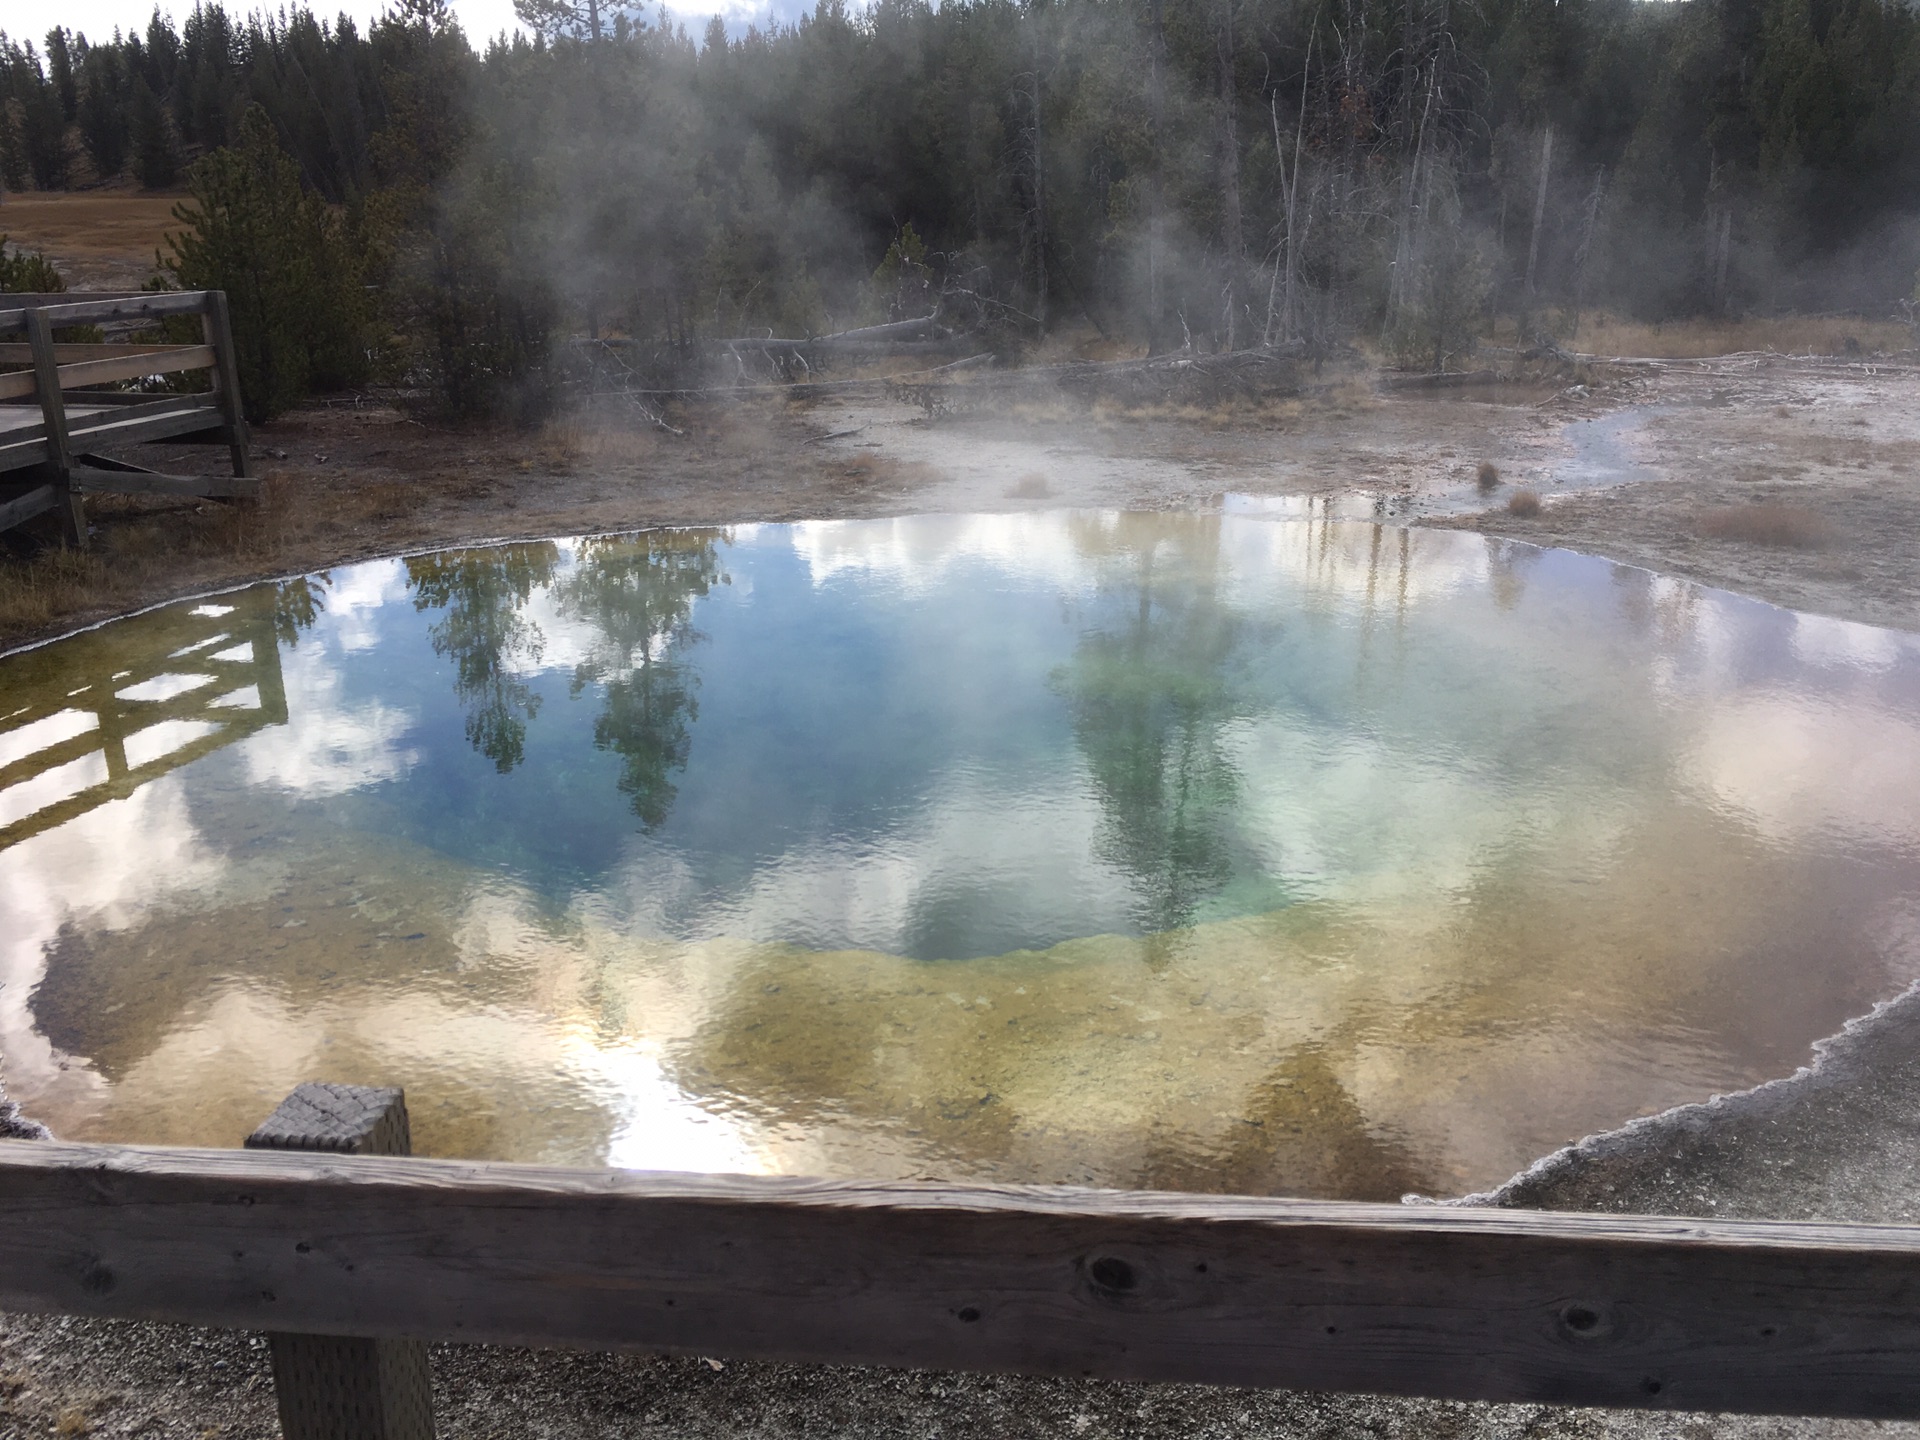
1641 464
1635 464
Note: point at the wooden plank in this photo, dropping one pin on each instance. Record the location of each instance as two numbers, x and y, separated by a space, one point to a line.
332 1387
140 424
121 482
59 462
149 406
16 353
64 310
114 368
1473 1304
137 367
19 454
89 398
66 297
23 508
216 326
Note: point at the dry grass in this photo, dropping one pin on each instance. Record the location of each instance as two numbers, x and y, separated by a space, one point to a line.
1692 339
144 544
1487 477
1523 503
72 1421
569 444
98 239
1766 524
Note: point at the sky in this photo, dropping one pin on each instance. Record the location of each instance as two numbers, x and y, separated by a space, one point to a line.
482 19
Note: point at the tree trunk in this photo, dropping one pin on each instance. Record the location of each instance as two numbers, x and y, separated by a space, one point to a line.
1229 147
1039 179
1156 191
1720 259
1539 206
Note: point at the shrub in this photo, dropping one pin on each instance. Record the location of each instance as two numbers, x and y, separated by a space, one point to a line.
1488 475
1766 524
1523 503
24 274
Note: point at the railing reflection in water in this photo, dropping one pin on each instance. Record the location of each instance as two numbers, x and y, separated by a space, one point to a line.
207 675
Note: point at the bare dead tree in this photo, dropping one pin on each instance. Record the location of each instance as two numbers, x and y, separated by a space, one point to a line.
1156 185
1583 257
1539 205
1034 142
1287 269
1227 141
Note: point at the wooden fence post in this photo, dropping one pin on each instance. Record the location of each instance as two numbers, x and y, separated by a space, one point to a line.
336 1387
53 410
217 328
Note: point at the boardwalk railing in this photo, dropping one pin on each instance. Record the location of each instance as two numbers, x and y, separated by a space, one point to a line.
1501 1305
53 418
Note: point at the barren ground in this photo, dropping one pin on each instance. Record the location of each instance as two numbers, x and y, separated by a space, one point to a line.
1635 464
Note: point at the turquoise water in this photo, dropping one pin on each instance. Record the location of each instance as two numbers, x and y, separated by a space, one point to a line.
1217 852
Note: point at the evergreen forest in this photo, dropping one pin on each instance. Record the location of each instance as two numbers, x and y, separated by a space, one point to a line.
1216 174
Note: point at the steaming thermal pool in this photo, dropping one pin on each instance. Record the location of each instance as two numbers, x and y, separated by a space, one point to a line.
1214 852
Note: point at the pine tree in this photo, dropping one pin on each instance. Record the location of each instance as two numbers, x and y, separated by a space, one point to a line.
103 110
293 286
43 133
156 163
60 72
13 149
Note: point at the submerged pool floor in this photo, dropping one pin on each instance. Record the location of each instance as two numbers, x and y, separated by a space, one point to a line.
1220 852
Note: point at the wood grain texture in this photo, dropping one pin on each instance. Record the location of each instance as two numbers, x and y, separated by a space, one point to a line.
1498 1305
342 1119
66 310
179 415
59 461
339 1387
23 508
136 367
123 482
217 328
13 352
111 368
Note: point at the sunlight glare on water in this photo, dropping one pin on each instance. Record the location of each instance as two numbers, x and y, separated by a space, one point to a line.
1224 852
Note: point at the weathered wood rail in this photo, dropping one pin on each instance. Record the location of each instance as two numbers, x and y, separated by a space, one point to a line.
51 420
1630 1311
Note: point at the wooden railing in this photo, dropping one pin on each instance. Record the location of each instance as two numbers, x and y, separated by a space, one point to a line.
1502 1305
64 423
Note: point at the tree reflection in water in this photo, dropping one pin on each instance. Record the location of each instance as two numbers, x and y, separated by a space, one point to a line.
1149 691
484 635
637 594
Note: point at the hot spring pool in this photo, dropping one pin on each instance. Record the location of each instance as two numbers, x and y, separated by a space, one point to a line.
1216 852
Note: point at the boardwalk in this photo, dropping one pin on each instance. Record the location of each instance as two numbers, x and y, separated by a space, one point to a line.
63 404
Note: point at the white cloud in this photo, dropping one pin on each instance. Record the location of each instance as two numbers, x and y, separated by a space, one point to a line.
1820 640
105 867
355 599
328 747
1797 767
918 552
